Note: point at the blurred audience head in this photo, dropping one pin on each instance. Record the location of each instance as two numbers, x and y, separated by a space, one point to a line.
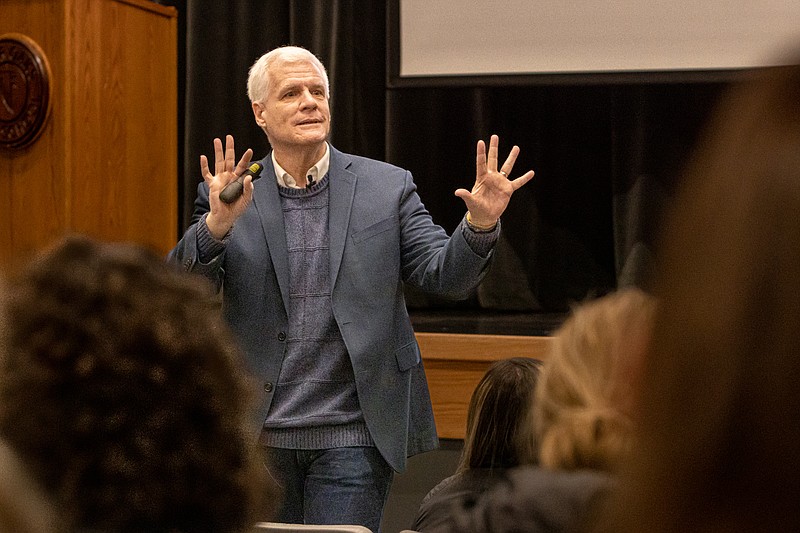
499 424
589 382
719 423
123 393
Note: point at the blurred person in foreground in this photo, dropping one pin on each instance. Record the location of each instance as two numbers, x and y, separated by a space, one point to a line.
312 261
582 419
123 393
719 419
499 436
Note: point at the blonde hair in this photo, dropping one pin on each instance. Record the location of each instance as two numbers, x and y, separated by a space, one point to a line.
584 394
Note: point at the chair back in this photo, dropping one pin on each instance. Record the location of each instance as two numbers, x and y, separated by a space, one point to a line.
277 527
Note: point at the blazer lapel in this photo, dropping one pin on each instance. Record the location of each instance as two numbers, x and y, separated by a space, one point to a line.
342 185
268 205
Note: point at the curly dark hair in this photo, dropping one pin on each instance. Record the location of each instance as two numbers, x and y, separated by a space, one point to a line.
123 391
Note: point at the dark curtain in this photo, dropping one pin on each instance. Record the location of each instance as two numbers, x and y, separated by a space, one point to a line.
606 156
219 42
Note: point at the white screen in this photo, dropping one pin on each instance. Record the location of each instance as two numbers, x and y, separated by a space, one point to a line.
474 37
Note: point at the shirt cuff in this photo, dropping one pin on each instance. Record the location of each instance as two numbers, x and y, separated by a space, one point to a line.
208 248
481 242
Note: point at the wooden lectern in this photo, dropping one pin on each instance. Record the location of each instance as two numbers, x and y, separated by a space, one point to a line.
104 162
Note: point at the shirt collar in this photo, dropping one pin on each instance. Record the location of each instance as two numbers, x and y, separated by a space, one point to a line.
317 172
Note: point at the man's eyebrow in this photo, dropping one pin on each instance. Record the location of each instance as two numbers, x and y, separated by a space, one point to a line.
288 86
297 84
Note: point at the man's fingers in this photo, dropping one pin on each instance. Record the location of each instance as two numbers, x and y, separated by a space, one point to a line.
522 180
230 153
219 156
480 158
492 160
464 194
204 170
244 162
510 160
247 188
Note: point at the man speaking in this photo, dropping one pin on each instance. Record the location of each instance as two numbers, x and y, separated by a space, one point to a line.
311 261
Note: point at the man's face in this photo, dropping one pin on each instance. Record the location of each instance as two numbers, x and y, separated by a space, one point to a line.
295 112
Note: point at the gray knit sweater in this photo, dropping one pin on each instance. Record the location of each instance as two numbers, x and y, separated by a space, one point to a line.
315 404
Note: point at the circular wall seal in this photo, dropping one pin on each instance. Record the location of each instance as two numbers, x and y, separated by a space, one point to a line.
24 90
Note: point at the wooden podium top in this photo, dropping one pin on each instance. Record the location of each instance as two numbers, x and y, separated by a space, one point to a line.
149 5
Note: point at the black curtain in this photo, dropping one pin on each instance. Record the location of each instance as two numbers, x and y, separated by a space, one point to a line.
606 156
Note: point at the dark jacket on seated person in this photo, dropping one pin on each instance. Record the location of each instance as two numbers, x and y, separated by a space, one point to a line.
531 499
499 435
458 491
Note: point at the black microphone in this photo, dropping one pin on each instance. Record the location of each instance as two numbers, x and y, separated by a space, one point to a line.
310 181
234 189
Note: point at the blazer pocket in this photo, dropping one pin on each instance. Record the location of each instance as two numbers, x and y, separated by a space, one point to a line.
407 356
374 229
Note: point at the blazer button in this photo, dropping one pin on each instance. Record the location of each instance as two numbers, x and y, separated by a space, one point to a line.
268 387
281 336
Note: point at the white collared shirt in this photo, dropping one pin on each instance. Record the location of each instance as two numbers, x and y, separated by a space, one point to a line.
317 172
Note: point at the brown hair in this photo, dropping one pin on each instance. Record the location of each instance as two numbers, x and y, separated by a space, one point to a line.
720 413
122 390
588 383
499 429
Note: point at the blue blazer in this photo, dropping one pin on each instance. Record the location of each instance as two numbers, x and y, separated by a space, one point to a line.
381 235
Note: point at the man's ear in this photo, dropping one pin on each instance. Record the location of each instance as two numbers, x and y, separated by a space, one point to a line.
257 111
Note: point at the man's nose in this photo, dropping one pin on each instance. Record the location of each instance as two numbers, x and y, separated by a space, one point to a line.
308 100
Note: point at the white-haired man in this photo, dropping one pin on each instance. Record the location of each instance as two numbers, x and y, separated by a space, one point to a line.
312 261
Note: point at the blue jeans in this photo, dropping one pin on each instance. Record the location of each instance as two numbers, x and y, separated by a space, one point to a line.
334 486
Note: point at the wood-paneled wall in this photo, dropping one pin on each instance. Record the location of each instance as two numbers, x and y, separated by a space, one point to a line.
106 162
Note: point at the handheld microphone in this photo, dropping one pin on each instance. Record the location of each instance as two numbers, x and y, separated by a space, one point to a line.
234 189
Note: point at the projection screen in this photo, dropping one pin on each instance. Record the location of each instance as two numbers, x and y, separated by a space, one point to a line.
442 41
